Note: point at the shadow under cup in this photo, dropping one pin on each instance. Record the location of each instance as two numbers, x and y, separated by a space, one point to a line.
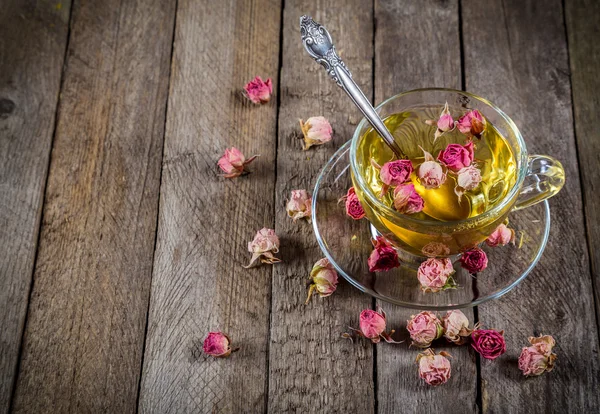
537 178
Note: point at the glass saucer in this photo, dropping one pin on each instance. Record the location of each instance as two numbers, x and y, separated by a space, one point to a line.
347 245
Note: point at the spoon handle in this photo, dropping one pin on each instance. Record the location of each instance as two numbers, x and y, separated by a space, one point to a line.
319 45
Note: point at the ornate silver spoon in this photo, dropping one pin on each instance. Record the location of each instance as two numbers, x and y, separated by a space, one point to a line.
318 43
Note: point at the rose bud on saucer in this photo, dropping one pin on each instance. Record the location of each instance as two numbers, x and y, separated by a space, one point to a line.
434 369
424 328
471 124
488 343
407 200
299 205
353 207
263 247
434 274
456 156
501 236
372 326
537 358
257 91
456 327
218 345
384 257
431 174
316 130
324 279
474 260
233 163
468 179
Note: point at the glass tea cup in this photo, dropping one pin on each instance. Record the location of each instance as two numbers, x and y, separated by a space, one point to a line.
531 178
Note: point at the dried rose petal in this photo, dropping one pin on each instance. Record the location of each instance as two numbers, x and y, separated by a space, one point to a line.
501 236
324 279
353 207
471 124
257 91
456 327
456 156
424 328
217 344
435 274
538 358
233 163
474 260
384 257
434 369
316 130
488 343
299 205
407 200
263 247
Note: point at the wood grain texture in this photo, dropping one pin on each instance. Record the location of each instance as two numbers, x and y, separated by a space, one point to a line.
33 38
520 63
417 45
206 221
313 369
583 29
83 342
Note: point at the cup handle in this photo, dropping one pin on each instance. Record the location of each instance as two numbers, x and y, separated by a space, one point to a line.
545 177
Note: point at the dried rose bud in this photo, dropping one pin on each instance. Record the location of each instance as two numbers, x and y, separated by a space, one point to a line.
468 179
257 91
538 358
396 172
488 343
384 257
324 279
372 326
474 260
434 369
407 200
471 124
435 274
353 207
316 130
233 163
424 328
501 236
299 205
435 249
445 123
263 247
218 345
456 156
456 327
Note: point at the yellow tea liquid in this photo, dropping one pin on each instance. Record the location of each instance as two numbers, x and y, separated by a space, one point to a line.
493 156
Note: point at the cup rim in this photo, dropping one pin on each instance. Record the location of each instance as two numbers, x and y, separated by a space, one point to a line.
510 197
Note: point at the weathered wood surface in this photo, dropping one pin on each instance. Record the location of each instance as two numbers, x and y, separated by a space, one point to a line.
520 63
33 39
417 44
313 369
206 221
583 29
83 342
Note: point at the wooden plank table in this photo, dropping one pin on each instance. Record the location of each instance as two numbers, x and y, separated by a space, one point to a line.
121 246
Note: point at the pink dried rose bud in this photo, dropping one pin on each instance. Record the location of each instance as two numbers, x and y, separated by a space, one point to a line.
468 179
384 257
233 163
424 328
396 172
257 91
434 369
538 358
299 205
471 124
501 236
435 249
372 326
263 247
456 327
431 174
324 279
436 274
407 200
353 207
456 157
316 130
488 343
474 260
218 345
